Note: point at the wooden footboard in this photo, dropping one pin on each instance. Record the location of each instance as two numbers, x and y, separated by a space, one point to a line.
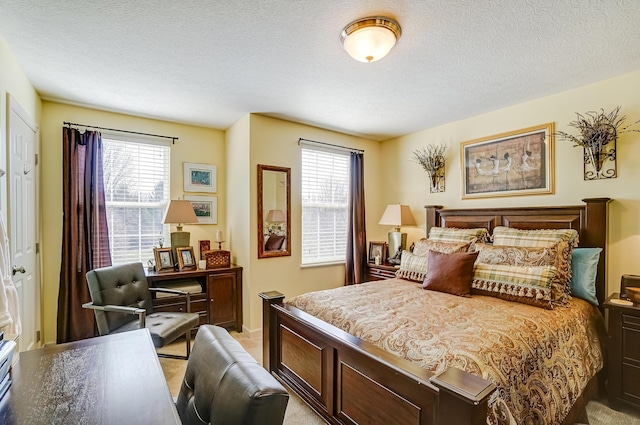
350 381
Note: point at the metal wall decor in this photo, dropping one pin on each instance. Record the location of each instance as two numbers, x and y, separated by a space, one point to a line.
432 160
600 162
598 137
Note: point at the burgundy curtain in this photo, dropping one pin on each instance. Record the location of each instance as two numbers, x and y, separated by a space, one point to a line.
85 242
356 234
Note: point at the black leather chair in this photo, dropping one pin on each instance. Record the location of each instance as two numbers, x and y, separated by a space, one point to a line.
120 293
224 385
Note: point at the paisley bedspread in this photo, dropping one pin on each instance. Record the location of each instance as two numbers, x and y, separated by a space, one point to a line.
541 360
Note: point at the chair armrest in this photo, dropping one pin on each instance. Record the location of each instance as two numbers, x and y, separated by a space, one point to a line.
176 292
141 312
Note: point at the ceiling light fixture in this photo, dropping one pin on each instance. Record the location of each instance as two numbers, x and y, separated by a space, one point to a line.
370 39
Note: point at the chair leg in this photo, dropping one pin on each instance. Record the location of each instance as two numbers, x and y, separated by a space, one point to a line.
188 339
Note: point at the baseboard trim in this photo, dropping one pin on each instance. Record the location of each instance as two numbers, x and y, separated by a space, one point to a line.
255 333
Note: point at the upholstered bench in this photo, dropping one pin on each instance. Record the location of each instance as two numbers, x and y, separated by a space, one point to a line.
224 385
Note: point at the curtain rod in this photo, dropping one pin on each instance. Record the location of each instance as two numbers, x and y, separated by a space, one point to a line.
332 145
173 139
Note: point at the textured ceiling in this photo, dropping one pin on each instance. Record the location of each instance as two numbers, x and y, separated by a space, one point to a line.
211 62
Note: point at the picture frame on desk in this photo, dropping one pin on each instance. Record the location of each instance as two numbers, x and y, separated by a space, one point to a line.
163 259
377 249
186 259
205 245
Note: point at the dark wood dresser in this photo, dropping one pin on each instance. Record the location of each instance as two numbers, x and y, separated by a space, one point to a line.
380 272
220 300
624 354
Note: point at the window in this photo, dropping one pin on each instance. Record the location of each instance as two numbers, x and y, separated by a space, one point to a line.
136 183
325 198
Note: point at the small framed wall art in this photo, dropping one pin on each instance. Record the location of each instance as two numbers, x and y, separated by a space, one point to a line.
205 207
200 177
186 259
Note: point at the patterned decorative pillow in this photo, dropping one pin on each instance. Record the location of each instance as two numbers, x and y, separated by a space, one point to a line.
528 257
423 246
527 285
543 238
453 234
412 267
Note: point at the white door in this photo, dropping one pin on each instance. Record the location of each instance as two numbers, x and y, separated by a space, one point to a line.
22 220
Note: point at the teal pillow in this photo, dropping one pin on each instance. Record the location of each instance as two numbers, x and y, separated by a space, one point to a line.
584 267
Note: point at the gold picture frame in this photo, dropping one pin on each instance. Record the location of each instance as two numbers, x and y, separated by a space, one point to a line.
186 259
516 163
163 259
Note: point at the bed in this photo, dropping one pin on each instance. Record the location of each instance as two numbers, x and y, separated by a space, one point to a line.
352 380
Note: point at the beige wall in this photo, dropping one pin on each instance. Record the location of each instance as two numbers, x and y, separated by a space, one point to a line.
275 142
239 203
406 182
195 144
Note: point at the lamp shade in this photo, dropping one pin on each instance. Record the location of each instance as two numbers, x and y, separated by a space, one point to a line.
275 216
180 212
397 215
370 39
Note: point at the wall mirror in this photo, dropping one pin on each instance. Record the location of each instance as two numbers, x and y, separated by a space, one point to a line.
274 211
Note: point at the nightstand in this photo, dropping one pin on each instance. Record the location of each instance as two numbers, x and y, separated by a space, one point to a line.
380 272
624 353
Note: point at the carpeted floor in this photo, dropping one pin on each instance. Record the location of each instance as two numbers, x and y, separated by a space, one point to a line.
298 413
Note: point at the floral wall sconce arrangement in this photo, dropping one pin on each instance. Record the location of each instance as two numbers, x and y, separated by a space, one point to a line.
432 159
598 137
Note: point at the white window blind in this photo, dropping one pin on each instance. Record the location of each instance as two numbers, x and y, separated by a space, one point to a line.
136 180
325 198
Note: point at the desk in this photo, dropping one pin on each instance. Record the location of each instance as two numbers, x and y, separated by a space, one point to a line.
220 302
113 379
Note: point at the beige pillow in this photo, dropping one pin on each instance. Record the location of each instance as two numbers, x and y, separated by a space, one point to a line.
543 238
453 234
423 246
527 285
529 257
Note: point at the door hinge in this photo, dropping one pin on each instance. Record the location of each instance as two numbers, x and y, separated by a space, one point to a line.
37 247
36 159
37 336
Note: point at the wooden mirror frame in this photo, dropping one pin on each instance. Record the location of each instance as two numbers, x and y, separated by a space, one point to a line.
286 251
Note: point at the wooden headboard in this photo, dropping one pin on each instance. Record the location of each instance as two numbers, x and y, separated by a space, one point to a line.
590 220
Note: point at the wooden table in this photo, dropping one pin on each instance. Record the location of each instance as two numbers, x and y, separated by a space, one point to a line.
114 379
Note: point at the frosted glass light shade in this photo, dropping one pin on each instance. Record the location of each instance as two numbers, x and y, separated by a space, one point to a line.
370 39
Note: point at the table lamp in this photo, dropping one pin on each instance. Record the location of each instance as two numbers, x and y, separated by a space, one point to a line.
179 212
276 217
397 215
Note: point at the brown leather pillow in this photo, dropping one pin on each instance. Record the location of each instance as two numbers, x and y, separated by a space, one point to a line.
274 243
451 273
